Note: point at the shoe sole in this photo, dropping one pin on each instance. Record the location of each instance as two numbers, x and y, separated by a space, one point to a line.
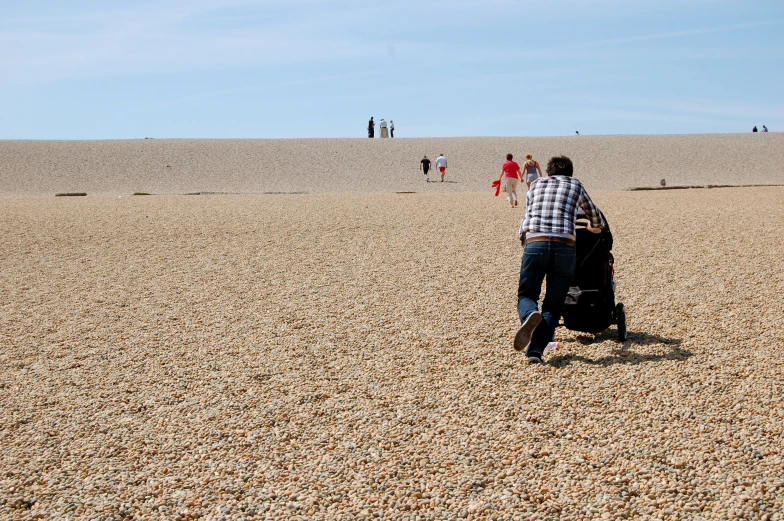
535 360
523 336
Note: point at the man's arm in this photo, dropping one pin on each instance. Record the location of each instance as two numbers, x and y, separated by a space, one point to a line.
591 211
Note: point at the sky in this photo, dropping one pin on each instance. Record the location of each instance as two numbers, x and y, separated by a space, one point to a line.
89 69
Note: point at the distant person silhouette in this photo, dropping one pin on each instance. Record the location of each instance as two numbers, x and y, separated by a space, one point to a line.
441 164
754 129
391 128
425 165
577 132
764 128
371 127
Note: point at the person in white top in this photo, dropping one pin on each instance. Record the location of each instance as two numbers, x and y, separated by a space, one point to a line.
764 128
441 164
391 128
383 126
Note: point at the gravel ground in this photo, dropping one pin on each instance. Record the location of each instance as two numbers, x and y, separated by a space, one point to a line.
159 166
350 357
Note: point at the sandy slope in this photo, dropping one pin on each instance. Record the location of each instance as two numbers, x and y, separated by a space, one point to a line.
380 165
349 356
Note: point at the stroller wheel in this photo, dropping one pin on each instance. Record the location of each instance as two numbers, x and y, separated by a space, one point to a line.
620 319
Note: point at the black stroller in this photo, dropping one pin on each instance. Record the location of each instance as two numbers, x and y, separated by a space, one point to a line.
590 304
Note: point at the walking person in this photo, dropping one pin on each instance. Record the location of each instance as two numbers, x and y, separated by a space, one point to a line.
441 164
548 236
391 128
425 165
532 170
511 170
371 127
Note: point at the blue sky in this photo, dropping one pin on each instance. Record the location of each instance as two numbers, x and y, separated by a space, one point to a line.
88 69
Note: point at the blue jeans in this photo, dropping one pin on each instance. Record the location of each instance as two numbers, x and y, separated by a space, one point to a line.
556 260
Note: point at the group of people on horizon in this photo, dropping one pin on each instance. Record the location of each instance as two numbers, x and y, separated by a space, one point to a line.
386 130
511 173
441 163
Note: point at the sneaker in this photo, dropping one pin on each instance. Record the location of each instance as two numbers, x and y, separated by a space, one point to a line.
523 336
535 358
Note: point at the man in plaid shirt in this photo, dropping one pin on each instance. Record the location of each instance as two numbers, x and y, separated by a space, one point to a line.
548 236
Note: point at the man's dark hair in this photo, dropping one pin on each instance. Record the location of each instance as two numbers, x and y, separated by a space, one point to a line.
509 157
560 165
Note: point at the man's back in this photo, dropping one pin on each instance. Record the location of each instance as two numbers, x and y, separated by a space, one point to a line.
551 206
441 161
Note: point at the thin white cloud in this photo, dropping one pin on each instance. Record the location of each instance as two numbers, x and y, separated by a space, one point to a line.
155 38
683 33
685 107
232 91
177 36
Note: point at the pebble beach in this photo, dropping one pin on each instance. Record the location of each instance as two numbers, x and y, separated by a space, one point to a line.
321 335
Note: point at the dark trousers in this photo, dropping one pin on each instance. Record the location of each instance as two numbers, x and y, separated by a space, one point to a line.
391 132
370 132
556 261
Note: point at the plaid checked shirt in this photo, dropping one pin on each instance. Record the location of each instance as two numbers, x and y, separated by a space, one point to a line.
551 206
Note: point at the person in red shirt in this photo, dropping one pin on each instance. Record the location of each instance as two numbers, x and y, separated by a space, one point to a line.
511 171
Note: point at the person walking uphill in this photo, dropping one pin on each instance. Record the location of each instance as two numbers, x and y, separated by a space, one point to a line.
532 170
441 164
547 233
512 172
425 165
